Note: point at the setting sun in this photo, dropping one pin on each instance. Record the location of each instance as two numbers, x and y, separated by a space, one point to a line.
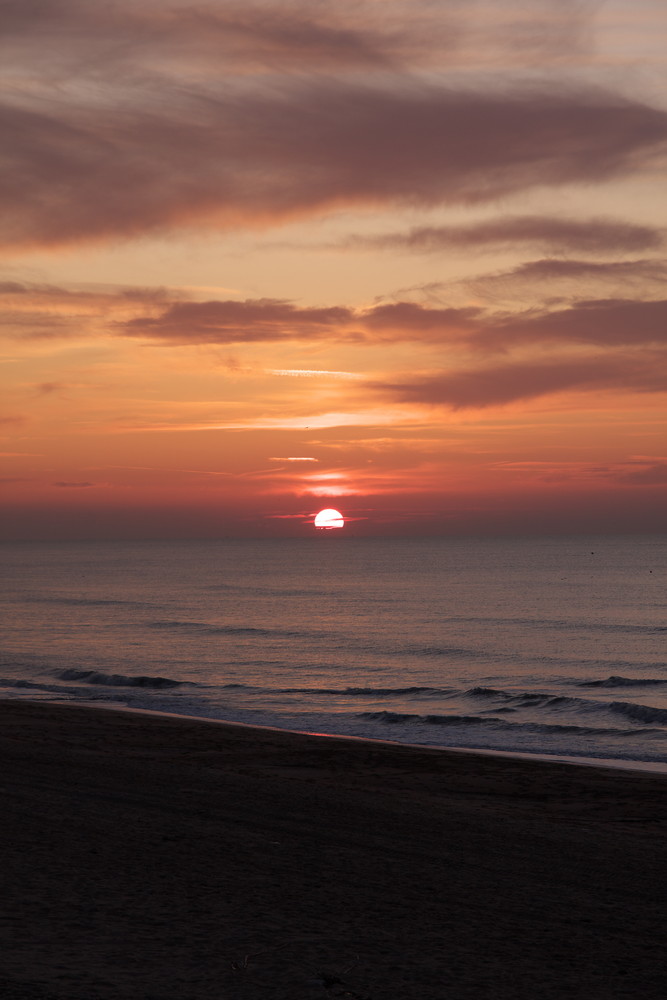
329 518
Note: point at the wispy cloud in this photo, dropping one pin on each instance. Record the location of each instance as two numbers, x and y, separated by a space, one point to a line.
74 486
229 37
49 388
312 373
545 233
647 474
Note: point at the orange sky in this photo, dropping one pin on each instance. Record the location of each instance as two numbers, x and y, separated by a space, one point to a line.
399 257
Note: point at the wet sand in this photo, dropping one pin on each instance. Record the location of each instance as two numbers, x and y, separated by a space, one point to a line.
163 858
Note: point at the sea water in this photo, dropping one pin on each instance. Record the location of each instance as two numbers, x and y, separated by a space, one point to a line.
550 646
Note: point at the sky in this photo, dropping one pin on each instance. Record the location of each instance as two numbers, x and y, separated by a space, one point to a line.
402 258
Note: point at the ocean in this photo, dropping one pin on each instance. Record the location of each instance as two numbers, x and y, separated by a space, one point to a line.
548 646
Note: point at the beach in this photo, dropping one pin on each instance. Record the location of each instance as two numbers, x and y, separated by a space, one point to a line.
166 858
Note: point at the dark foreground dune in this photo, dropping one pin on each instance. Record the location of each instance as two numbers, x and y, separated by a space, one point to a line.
160 858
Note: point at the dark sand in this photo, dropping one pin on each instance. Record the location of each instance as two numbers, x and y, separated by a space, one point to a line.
159 858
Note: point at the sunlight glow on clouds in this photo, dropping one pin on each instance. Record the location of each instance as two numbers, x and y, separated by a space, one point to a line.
310 373
418 246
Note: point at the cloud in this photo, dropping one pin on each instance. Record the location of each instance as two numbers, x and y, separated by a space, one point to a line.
256 36
37 311
150 314
443 323
232 157
77 486
620 327
605 322
550 269
519 381
254 320
47 388
231 321
648 474
569 280
312 373
121 119
548 233
248 37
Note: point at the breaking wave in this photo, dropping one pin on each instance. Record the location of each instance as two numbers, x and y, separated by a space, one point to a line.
633 711
532 699
639 713
118 680
397 718
11 682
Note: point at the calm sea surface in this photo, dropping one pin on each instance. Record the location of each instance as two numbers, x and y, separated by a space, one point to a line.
547 646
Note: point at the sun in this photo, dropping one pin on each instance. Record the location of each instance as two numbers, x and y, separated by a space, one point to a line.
329 518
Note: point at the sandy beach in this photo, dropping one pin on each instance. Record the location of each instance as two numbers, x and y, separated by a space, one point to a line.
169 859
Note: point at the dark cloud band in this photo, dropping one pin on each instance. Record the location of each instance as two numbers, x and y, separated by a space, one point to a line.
228 158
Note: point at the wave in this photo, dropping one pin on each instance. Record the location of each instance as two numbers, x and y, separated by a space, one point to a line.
278 592
349 692
58 690
616 682
84 601
525 699
447 651
119 680
639 713
398 718
8 682
562 624
371 692
486 692
631 710
203 628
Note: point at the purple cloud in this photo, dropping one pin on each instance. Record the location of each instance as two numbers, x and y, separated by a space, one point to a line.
232 321
524 380
229 158
555 235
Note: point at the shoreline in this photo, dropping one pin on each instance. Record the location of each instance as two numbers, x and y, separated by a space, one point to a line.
613 763
153 857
